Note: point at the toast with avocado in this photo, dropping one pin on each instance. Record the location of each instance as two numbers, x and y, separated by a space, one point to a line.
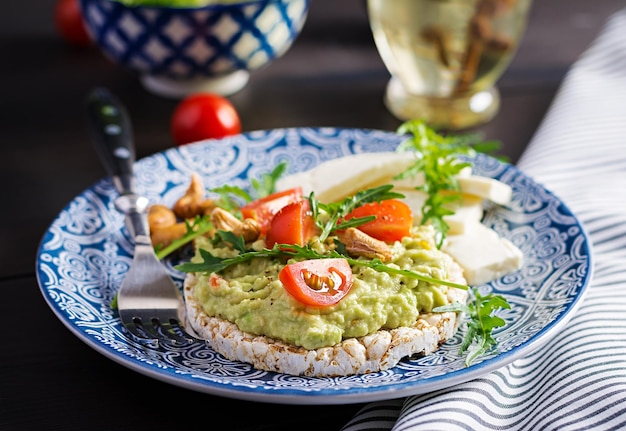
348 286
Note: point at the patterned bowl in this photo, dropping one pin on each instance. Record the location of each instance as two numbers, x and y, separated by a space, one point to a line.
181 50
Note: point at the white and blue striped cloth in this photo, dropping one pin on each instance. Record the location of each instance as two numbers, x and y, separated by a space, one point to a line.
578 380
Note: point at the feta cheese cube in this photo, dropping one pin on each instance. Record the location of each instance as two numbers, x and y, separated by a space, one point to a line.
483 254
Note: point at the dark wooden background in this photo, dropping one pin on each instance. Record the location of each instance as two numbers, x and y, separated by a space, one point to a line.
332 76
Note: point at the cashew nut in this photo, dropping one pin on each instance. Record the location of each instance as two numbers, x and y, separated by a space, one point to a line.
165 235
193 202
249 228
160 216
358 243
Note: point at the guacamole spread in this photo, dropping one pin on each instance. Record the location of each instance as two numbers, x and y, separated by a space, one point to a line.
251 295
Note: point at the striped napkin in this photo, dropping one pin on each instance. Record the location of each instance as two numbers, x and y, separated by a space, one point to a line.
577 381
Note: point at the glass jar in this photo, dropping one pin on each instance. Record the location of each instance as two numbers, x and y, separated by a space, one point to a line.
445 56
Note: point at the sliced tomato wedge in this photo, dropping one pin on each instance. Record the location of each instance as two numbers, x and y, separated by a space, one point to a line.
318 282
263 210
292 224
394 219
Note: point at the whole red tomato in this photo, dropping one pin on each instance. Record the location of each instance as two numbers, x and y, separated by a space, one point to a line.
203 116
70 24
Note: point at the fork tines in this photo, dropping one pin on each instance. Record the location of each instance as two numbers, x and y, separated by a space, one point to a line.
157 328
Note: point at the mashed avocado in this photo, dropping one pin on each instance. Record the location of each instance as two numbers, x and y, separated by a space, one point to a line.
178 3
251 296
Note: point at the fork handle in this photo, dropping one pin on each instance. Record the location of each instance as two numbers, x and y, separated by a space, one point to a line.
112 134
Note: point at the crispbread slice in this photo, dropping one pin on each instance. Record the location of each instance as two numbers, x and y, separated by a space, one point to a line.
375 352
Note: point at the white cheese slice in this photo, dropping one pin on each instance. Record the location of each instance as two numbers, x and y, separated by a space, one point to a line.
335 179
487 188
418 179
483 254
466 216
467 212
483 187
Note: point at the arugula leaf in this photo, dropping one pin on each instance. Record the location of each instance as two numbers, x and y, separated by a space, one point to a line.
379 266
211 263
481 323
267 184
437 159
260 188
335 211
236 241
229 197
195 228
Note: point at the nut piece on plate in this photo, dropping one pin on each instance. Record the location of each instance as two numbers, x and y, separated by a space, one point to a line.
160 216
249 228
358 243
193 202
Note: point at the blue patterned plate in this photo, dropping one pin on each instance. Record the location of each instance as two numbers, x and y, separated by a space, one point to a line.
86 252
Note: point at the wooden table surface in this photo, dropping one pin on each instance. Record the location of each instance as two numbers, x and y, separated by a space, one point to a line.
332 76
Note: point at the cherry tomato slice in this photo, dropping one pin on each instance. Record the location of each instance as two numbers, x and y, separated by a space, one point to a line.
204 116
292 224
394 219
263 210
319 282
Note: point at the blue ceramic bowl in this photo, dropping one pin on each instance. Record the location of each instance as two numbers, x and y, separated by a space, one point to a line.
181 50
